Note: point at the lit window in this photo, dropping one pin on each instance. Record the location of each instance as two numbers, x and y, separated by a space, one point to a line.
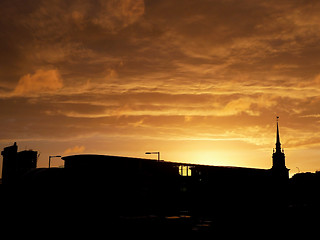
185 171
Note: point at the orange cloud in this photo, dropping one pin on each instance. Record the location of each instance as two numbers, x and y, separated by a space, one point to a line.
75 149
40 81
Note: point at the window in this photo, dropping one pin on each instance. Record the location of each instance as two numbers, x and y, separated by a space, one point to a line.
185 171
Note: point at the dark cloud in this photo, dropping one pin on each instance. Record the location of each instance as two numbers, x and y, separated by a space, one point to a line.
159 69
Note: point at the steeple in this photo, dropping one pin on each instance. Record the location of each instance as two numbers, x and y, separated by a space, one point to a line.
278 144
278 157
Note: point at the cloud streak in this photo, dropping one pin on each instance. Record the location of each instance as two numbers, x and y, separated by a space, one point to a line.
133 69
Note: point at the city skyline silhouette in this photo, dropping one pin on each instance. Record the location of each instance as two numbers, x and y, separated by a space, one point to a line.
135 193
87 88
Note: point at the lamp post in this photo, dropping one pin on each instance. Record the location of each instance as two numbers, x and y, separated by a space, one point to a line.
52 157
154 153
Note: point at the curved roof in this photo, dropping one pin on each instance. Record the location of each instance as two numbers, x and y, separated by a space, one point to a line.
95 157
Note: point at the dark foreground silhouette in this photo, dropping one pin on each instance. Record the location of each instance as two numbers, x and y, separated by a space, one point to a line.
101 209
97 194
100 195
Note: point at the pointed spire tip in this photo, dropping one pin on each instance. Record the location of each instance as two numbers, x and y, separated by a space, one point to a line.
278 144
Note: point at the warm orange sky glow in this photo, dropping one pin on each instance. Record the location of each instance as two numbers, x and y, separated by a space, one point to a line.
200 81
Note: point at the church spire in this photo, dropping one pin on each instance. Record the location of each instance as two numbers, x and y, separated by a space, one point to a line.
278 144
279 168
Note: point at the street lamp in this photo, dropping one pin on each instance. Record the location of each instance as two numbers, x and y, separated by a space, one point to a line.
154 153
58 156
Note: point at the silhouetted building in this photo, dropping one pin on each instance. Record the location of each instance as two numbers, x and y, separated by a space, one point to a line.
123 186
305 191
172 185
15 163
158 181
127 191
279 169
9 163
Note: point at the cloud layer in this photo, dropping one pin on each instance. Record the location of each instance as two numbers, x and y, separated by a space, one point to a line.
219 70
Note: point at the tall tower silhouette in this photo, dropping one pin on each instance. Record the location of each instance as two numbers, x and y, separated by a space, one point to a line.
279 168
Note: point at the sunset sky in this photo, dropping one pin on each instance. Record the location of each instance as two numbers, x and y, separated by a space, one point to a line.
201 81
